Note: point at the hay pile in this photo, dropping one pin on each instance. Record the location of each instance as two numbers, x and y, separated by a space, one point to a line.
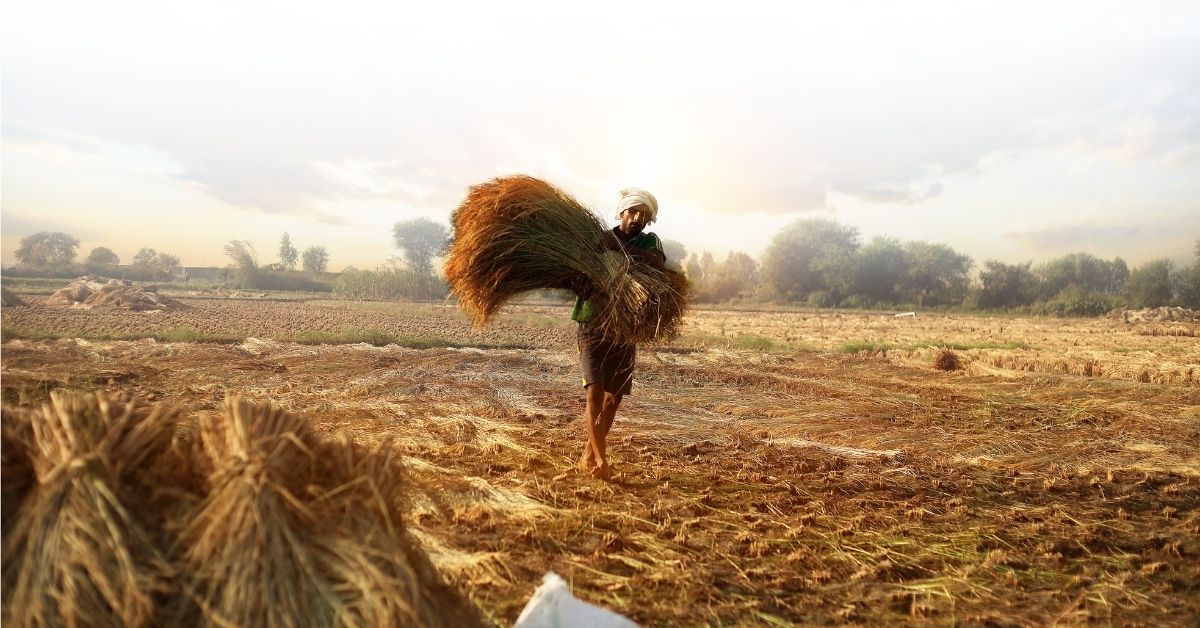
1155 314
516 234
92 291
120 517
76 553
8 298
946 360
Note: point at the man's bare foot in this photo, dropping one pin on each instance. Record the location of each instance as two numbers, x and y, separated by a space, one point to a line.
603 472
585 461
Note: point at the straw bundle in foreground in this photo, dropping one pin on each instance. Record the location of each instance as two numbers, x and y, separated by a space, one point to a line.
296 532
76 552
16 469
516 234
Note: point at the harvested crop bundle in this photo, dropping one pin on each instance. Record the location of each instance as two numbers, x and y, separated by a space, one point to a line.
946 360
76 552
516 234
295 532
16 469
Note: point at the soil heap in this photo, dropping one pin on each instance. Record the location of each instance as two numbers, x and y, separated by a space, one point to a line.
1155 315
91 291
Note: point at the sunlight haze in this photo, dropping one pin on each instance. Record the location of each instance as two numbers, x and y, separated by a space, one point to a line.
1016 132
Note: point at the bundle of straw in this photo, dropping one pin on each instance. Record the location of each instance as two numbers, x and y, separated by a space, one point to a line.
296 532
77 553
16 469
516 234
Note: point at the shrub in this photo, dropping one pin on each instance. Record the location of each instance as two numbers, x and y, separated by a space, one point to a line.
1076 301
389 284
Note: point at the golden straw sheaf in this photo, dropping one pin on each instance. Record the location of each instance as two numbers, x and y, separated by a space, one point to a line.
77 552
115 516
295 531
518 233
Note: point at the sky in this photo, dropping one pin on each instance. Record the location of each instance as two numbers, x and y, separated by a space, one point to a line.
1014 131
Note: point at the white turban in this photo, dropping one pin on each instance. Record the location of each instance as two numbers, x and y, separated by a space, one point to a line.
632 197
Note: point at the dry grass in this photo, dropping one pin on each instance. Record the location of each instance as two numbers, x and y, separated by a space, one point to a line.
293 531
946 360
517 234
807 488
1054 479
76 552
117 514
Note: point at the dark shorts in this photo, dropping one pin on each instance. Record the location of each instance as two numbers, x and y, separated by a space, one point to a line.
606 363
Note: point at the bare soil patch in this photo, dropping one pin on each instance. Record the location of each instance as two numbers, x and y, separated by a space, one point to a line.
755 486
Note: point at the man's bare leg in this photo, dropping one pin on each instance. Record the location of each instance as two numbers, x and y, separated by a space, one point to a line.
607 414
593 452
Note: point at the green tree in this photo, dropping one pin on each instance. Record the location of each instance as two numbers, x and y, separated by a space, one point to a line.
935 274
1082 270
47 249
694 272
144 258
707 264
103 257
675 252
880 270
288 255
151 264
807 256
166 262
1150 284
1189 282
737 276
420 240
1007 285
315 259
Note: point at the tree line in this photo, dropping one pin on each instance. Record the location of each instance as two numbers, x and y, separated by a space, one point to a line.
813 261
820 262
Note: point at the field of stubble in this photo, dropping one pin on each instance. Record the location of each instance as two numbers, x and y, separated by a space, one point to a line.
774 467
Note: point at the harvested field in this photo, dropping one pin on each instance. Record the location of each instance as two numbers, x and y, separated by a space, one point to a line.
787 467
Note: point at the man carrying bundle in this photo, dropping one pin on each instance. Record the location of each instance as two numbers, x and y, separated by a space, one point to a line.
607 366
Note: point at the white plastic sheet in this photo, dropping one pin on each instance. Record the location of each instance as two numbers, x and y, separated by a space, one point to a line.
553 606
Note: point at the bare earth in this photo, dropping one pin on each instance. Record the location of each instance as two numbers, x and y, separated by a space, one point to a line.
831 476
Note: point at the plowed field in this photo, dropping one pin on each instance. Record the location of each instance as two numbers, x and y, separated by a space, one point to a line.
773 467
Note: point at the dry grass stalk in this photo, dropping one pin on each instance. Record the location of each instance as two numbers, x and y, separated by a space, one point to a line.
516 234
296 532
76 553
946 360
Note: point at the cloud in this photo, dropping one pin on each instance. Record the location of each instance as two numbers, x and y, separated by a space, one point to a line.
24 133
908 194
22 225
1171 234
721 113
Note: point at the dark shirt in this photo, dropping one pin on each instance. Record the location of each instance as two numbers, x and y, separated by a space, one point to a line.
582 312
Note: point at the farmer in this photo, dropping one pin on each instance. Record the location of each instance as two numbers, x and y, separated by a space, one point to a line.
608 366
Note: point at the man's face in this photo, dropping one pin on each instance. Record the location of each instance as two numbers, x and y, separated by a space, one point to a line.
633 220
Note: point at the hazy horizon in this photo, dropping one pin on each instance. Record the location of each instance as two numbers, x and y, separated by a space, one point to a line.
1018 133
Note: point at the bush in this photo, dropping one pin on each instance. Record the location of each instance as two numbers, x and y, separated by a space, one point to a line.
389 284
65 271
1076 301
821 298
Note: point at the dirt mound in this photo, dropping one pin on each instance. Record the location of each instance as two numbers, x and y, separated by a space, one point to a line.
91 291
1155 315
8 298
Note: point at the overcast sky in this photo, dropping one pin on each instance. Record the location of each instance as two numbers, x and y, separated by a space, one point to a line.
1012 131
